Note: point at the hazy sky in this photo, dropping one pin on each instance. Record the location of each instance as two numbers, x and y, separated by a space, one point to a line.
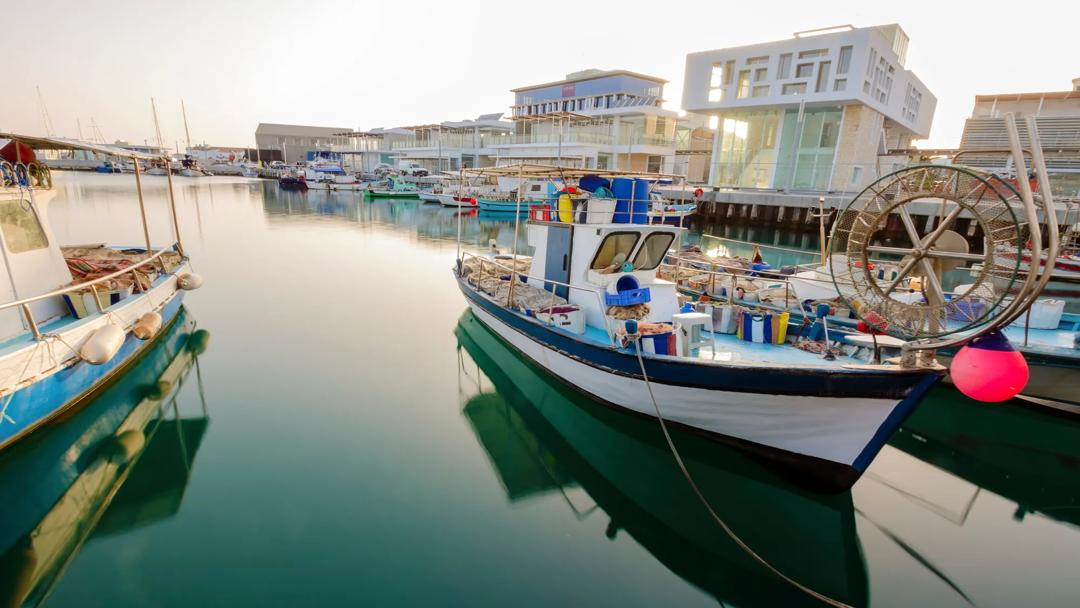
360 65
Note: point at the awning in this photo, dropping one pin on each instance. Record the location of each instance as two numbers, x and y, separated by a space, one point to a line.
536 170
63 143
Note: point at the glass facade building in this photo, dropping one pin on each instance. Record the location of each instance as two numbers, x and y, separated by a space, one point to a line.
775 149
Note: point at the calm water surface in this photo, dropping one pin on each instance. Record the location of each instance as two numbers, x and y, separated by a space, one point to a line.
349 435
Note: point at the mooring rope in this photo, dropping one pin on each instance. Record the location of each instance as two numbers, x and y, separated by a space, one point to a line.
708 506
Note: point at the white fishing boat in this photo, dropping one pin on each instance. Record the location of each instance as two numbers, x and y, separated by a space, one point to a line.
325 171
72 318
589 308
452 199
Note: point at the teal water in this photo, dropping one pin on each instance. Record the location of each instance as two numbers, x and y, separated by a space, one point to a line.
366 441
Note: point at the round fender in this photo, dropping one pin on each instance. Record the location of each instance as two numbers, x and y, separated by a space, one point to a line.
698 193
102 345
189 281
146 326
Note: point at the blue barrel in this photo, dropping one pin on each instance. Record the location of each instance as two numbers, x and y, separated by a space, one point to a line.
622 188
640 205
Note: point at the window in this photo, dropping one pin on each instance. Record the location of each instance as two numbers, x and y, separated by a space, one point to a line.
803 70
653 250
856 176
828 134
813 53
743 90
717 81
729 69
797 88
784 70
866 86
823 77
716 95
840 84
717 78
654 164
757 60
22 230
761 74
614 250
844 62
760 91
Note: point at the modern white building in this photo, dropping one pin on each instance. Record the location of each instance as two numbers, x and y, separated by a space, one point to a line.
810 113
451 145
604 119
293 142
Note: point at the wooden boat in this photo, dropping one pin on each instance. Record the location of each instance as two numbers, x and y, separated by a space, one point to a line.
396 188
456 200
825 418
110 307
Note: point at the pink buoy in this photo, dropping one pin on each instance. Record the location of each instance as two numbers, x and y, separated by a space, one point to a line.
989 369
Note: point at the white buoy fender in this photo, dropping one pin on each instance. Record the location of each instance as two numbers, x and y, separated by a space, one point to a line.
189 281
147 326
102 345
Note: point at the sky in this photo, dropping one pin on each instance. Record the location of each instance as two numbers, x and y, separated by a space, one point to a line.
356 64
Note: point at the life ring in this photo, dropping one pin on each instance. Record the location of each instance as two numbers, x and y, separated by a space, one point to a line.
698 193
566 209
7 173
21 175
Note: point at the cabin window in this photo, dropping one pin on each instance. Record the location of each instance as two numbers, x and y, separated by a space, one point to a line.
614 251
653 250
22 230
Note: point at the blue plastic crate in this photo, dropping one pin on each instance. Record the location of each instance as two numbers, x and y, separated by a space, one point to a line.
628 297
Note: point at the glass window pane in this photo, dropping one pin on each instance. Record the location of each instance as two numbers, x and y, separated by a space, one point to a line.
614 251
22 230
803 70
844 62
653 250
822 77
785 66
743 90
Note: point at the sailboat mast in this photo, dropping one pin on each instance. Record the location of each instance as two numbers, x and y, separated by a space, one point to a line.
45 113
187 135
157 127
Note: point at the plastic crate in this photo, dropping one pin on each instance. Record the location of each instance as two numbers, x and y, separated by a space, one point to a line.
628 297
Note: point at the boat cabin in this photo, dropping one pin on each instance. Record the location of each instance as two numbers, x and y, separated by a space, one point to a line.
613 258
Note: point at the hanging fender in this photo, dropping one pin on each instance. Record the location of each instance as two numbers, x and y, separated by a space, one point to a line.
147 326
102 345
189 281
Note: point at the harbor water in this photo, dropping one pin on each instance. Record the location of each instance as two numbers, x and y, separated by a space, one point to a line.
332 427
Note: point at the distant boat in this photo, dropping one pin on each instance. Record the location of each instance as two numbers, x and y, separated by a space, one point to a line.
396 188
292 182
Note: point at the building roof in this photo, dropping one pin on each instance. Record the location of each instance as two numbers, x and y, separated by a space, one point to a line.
590 75
1053 95
271 128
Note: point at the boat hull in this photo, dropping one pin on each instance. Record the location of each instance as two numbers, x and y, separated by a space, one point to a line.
504 206
832 424
453 200
39 402
392 194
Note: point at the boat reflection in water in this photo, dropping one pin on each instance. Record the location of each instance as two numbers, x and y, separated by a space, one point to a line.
121 461
542 437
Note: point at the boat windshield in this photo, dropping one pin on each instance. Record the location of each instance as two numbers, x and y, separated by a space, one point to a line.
614 251
22 230
653 250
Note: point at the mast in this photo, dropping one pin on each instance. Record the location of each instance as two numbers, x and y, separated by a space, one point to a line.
187 135
157 127
45 114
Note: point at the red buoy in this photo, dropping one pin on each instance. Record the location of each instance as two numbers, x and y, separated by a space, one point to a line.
989 369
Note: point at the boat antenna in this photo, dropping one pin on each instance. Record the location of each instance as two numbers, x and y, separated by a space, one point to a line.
45 119
78 126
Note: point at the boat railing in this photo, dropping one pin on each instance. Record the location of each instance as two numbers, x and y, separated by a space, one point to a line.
514 278
718 278
24 304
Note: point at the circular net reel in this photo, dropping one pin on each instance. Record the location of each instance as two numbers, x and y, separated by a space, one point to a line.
892 277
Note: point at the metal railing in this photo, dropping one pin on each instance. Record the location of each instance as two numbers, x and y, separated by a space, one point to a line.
514 274
24 304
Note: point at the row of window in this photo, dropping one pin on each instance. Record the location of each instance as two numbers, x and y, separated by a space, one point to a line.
747 82
578 104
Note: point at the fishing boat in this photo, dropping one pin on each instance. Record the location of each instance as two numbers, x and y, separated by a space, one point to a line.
325 171
543 439
589 307
508 206
827 418
62 344
295 182
447 199
120 463
429 196
189 167
663 211
396 187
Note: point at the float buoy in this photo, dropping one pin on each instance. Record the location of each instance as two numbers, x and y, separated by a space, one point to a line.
698 193
102 345
989 369
566 209
146 326
189 281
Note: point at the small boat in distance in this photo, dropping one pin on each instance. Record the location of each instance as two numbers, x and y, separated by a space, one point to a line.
289 181
396 187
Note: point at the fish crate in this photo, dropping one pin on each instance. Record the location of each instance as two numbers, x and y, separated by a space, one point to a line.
628 297
570 317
